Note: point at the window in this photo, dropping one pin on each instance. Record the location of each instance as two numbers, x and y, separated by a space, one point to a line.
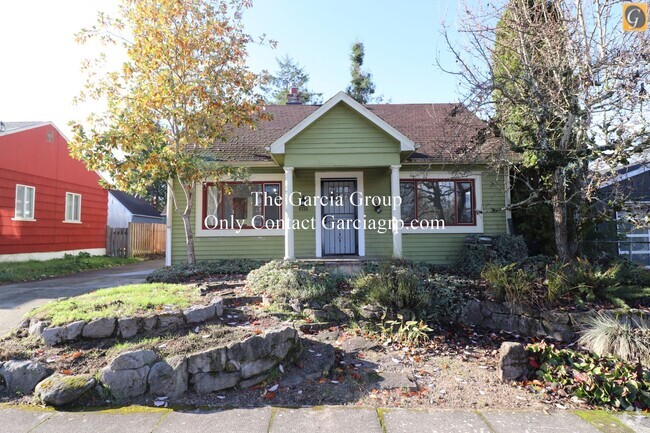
634 238
246 205
72 207
451 201
24 202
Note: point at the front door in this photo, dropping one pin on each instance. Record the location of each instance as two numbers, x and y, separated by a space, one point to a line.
339 217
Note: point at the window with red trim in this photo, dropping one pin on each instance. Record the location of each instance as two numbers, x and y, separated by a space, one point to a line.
450 200
254 204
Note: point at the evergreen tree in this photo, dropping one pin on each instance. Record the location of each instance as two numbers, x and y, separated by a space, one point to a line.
290 74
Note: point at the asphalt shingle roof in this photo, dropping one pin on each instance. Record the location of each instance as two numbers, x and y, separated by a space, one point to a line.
135 205
442 131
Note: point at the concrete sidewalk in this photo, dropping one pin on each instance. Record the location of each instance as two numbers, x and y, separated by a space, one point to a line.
307 420
16 299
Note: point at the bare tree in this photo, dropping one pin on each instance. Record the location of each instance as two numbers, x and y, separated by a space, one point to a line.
564 87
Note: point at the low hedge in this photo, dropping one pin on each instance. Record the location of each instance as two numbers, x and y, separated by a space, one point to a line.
184 273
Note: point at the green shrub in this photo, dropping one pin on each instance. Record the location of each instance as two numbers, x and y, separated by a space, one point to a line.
601 380
502 250
605 335
407 288
410 332
183 272
283 281
510 284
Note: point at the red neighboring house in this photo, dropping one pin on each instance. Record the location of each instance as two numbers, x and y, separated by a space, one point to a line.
50 204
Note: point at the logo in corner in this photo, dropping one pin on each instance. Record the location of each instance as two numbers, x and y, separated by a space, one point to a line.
635 17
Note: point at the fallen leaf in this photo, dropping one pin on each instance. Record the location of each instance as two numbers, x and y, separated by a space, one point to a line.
66 372
274 388
269 396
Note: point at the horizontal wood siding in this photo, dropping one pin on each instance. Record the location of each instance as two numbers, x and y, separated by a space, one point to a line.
377 183
342 138
212 248
443 248
305 240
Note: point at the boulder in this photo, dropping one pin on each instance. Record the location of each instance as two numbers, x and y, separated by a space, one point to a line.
334 313
470 313
280 351
127 326
22 376
123 384
99 328
36 327
199 313
278 336
60 390
513 362
255 380
218 306
251 349
59 334
170 320
204 383
372 312
133 360
253 368
168 378
212 360
149 323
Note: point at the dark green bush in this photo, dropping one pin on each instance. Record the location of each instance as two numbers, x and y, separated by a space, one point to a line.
408 288
502 250
284 281
183 272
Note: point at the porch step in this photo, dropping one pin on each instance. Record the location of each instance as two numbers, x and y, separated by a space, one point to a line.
343 265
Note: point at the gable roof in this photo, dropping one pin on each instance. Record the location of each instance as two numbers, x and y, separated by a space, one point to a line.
135 205
405 143
439 132
11 127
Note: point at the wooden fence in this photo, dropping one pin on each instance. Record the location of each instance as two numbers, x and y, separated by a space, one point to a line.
140 239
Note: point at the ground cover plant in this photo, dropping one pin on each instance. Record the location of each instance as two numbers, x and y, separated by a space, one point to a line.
69 264
599 380
185 272
134 299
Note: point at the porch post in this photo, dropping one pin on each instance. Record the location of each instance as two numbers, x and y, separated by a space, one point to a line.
289 253
396 211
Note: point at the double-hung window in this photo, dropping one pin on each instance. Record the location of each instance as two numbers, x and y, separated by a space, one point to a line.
24 209
233 205
72 207
450 200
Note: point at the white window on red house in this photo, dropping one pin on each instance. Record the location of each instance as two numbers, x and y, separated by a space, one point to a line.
448 200
252 204
72 207
24 202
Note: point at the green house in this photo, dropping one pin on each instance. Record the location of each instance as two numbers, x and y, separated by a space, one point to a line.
349 180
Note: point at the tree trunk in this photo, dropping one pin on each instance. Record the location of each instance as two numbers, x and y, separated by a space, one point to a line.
189 238
560 217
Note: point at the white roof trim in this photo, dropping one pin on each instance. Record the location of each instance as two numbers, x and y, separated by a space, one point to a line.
38 125
406 144
628 175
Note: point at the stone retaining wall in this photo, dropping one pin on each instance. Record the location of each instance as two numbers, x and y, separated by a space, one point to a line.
140 372
557 324
124 327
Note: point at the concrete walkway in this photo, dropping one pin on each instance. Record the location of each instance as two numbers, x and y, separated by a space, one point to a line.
307 420
16 299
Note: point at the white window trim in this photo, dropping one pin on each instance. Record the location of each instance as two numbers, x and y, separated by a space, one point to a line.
478 192
17 218
200 232
66 220
361 215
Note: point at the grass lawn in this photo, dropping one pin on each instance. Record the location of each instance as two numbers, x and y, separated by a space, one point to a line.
120 301
35 270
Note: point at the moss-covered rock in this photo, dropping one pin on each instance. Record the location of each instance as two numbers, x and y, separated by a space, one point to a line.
60 390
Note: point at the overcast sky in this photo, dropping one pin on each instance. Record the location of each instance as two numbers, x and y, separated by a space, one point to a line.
39 73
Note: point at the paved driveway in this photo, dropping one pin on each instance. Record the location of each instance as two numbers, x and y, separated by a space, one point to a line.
18 298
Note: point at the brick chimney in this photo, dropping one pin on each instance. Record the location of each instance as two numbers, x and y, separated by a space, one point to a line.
293 97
